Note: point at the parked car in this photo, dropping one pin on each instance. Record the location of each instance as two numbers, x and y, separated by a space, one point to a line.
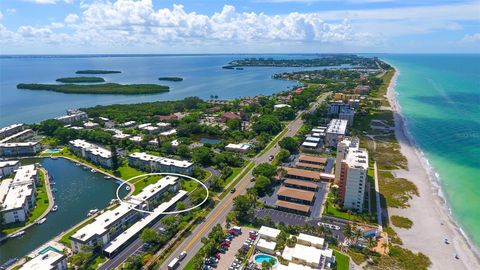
182 255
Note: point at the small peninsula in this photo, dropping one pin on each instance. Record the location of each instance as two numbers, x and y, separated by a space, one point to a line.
97 71
81 80
106 88
172 79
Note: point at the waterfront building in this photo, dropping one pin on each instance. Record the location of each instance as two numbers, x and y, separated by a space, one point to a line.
91 152
72 116
335 132
342 150
19 136
10 130
147 162
8 167
49 258
19 149
112 223
238 147
347 114
353 178
335 107
17 196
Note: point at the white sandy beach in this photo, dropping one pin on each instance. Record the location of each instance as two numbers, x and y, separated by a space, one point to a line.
432 222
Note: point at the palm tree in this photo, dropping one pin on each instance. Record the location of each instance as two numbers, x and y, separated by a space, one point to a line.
357 233
371 242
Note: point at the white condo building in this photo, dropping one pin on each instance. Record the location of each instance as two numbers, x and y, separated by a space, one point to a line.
8 167
48 259
17 195
335 132
92 152
10 130
15 149
353 178
153 163
342 150
72 116
111 224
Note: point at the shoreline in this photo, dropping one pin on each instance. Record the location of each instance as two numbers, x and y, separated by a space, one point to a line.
432 223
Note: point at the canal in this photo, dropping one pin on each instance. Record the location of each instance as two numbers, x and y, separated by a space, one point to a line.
77 191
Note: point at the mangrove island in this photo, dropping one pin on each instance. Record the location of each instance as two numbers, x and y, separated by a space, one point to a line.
81 80
97 71
106 88
172 79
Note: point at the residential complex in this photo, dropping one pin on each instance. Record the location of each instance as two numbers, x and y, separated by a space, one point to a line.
72 116
92 152
17 195
238 147
10 130
19 149
308 253
353 178
342 150
19 136
153 163
8 167
109 228
49 258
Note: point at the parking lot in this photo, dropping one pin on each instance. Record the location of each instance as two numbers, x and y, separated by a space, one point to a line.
280 216
236 243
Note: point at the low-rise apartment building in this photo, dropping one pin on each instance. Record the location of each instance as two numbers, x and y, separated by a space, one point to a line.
17 195
19 149
151 163
8 167
91 152
19 136
10 130
48 259
72 116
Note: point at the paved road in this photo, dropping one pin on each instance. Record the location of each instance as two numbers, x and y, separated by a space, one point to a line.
192 243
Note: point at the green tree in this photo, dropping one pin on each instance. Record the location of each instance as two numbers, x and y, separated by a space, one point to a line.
268 123
216 183
234 124
290 143
49 126
285 113
283 155
150 236
262 185
265 169
115 163
203 155
243 208
183 151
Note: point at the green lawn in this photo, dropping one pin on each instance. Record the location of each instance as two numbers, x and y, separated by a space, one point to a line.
272 143
331 209
41 205
401 222
235 172
66 237
239 177
342 260
396 192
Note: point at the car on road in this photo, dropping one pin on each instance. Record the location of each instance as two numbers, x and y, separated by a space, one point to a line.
252 179
182 255
270 158
233 190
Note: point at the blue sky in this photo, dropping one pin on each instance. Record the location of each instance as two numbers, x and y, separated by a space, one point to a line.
217 26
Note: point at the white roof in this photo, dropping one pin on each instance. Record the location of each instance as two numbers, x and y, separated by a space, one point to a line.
4 186
129 123
47 260
136 139
270 232
144 125
164 161
18 144
169 132
7 128
175 143
18 134
163 124
312 139
269 245
311 239
151 190
293 266
92 148
308 254
337 126
90 124
20 188
141 224
279 106
309 144
239 146
121 136
357 158
8 163
150 128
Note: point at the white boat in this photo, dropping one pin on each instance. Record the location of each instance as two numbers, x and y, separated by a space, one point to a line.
93 170
92 212
17 234
41 221
53 157
78 164
55 208
107 177
127 188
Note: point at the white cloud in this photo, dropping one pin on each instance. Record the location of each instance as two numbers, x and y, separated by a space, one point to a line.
1 15
11 10
137 24
71 18
471 38
50 1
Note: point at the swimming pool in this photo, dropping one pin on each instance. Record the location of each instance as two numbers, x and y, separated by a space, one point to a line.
260 258
208 140
52 151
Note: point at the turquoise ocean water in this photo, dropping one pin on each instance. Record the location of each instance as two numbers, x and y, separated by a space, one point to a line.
440 98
